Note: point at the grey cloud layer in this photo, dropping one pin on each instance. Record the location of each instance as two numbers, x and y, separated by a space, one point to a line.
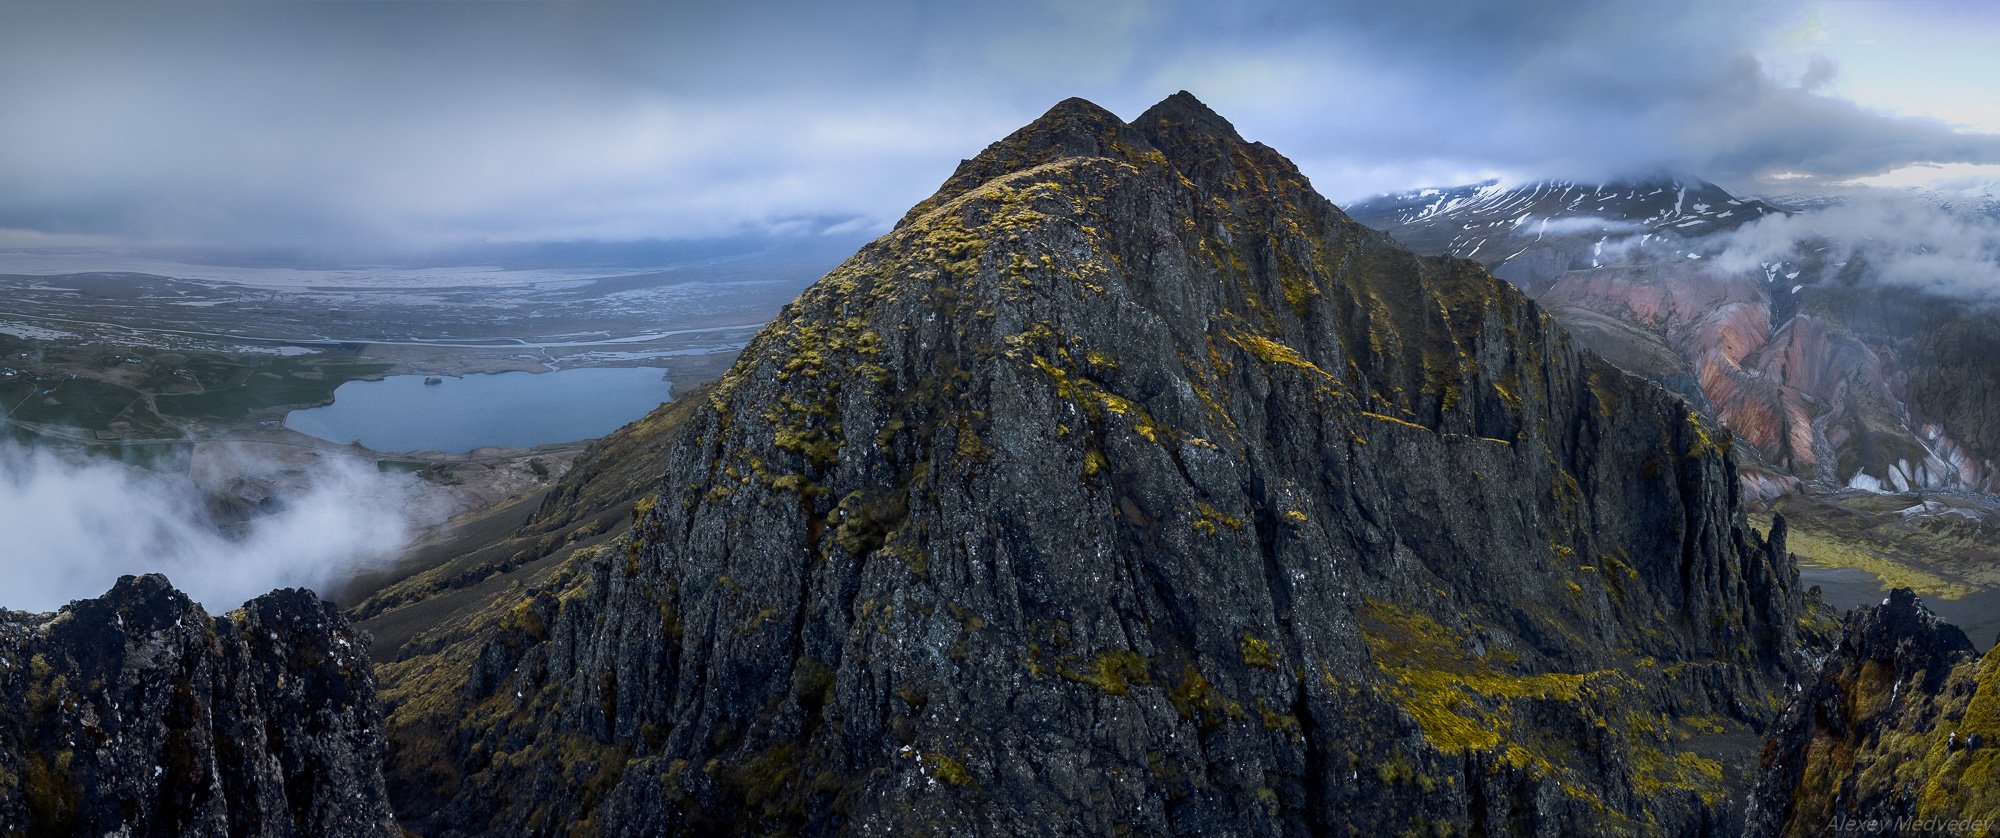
1903 241
407 125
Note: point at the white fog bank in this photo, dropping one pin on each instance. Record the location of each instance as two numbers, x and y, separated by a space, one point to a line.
70 525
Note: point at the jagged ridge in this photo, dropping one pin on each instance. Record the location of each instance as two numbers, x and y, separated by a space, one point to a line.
136 714
1901 728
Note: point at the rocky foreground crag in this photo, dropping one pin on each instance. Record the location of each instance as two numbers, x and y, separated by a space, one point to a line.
1130 486
1900 729
136 713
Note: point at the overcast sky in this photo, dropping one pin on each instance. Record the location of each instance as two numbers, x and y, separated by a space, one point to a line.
384 126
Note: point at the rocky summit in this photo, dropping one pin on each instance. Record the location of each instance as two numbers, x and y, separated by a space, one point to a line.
137 714
1900 729
1129 486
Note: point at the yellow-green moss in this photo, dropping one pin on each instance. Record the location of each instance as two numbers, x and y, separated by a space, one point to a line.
947 770
1257 652
1193 695
1114 672
527 619
1469 702
50 793
862 521
764 778
1207 519
1827 549
1658 774
1704 444
1279 722
1272 352
1093 463
1391 419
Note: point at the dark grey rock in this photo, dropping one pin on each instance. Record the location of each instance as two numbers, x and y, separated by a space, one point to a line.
135 713
1130 486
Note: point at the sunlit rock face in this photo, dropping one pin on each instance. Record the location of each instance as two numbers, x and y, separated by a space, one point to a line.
136 713
1130 485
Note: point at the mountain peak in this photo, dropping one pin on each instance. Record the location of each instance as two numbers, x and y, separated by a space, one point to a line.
1077 108
1902 629
1075 127
152 717
1183 109
1129 442
1903 689
1179 134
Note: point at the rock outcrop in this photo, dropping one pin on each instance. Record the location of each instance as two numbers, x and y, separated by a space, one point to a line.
137 714
1899 734
1129 485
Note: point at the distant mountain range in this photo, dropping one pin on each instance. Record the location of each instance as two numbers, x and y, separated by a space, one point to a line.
1533 232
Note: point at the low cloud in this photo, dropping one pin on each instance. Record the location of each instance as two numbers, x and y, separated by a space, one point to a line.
1904 241
75 523
1577 224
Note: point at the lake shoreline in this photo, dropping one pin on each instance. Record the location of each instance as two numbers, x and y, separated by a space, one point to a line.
513 409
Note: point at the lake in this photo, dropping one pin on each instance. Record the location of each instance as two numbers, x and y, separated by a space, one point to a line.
510 409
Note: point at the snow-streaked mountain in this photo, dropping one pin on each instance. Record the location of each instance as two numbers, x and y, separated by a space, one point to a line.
1529 226
1964 197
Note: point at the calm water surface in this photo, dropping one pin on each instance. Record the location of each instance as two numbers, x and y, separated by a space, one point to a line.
516 409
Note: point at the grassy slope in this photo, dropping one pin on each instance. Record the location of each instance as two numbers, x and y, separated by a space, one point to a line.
1939 556
509 547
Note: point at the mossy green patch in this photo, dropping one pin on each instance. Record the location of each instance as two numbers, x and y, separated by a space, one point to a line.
1113 672
1826 548
1467 701
947 770
1257 651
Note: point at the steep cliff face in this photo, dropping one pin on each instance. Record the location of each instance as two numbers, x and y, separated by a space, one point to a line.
1130 485
1954 379
137 714
1901 729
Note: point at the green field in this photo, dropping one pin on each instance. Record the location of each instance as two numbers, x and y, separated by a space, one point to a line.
138 392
